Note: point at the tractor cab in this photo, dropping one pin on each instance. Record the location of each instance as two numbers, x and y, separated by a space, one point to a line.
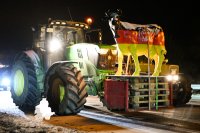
60 33
52 39
68 32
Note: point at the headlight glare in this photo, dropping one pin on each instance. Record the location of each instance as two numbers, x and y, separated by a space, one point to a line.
172 77
54 45
169 77
5 81
175 77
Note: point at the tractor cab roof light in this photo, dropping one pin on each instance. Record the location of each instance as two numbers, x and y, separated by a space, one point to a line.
77 25
63 23
82 25
57 22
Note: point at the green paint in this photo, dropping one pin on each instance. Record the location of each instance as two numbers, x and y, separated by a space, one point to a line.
62 92
105 46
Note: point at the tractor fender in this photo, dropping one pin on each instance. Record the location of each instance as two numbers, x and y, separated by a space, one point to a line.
91 69
86 67
34 58
32 55
52 69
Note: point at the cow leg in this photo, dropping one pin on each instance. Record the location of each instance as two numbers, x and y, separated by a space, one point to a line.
120 60
160 60
127 64
137 65
156 60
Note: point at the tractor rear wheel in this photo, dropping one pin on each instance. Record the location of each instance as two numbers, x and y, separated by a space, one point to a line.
65 89
24 84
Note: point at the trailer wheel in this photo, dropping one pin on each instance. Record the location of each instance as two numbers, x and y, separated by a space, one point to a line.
65 89
24 84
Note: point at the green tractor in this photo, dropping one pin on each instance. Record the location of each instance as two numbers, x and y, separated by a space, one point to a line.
60 67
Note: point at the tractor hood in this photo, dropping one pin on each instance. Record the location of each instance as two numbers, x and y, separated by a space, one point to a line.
83 51
92 57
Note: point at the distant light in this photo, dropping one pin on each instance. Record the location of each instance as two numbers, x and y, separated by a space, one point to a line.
195 86
1 65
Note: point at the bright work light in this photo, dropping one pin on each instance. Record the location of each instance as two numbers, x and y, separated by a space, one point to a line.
172 77
54 45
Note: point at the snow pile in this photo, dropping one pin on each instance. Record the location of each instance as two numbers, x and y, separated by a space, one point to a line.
7 105
42 111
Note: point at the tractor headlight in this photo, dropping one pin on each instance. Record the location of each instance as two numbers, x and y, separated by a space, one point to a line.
54 45
172 77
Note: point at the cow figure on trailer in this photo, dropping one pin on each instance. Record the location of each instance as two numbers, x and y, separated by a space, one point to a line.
137 40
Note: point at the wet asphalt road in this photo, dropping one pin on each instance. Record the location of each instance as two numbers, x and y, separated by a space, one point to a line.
178 119
175 119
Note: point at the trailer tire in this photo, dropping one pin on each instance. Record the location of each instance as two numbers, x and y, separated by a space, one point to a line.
65 89
182 92
24 84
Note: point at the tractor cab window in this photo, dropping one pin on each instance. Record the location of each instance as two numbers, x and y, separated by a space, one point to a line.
93 36
68 35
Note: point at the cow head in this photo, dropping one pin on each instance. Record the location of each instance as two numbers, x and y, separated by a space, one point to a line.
113 18
113 15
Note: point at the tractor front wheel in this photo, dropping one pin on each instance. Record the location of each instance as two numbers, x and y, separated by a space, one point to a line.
65 89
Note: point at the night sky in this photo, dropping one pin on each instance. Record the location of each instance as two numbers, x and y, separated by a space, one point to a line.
180 22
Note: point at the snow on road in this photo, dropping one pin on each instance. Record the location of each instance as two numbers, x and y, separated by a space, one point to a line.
7 105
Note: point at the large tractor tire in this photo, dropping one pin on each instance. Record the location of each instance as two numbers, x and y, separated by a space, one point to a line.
24 88
65 89
182 92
